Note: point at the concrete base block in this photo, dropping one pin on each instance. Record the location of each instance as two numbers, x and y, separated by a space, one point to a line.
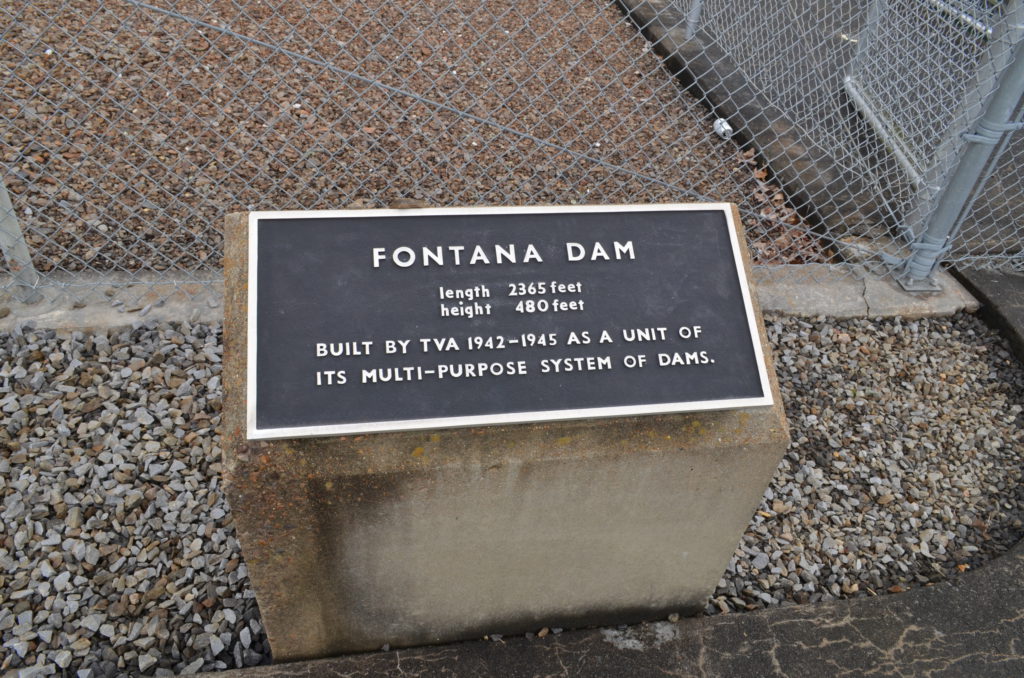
412 538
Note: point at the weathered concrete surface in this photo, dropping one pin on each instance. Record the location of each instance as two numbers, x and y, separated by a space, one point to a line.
835 290
117 299
971 627
884 296
425 537
849 291
814 289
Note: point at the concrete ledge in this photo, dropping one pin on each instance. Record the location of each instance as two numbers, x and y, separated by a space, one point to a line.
850 291
94 301
971 626
807 290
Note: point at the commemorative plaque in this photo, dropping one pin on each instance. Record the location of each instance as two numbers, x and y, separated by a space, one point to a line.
430 330
386 320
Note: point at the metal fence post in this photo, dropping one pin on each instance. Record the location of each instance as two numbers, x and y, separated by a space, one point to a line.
15 251
693 18
915 273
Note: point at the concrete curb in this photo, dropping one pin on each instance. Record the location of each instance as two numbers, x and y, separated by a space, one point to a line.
849 291
1002 298
967 627
808 290
117 302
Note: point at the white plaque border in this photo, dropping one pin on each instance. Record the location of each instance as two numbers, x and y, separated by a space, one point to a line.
255 433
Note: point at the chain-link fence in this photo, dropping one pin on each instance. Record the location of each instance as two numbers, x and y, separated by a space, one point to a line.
992 224
885 97
129 129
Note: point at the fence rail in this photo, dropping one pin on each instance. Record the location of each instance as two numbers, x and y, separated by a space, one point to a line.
128 129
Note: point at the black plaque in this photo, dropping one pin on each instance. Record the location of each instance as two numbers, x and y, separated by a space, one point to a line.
383 320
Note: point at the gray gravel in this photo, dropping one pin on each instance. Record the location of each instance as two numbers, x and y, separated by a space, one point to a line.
118 555
905 465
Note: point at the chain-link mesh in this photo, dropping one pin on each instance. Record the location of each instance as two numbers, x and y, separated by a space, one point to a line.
130 128
879 95
990 234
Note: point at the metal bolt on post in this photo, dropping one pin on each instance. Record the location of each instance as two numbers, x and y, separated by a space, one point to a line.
15 252
916 272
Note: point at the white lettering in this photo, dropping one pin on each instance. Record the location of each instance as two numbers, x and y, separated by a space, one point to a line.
479 256
341 349
622 249
683 359
396 346
404 257
575 251
434 255
581 364
508 254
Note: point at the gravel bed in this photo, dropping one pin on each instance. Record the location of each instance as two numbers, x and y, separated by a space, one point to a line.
905 463
130 132
118 556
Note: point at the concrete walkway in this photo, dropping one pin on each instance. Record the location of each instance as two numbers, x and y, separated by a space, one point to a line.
972 626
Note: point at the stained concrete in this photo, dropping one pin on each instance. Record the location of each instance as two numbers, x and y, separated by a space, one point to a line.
851 291
354 542
835 290
971 626
89 302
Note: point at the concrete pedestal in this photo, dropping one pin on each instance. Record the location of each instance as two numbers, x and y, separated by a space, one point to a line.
410 538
